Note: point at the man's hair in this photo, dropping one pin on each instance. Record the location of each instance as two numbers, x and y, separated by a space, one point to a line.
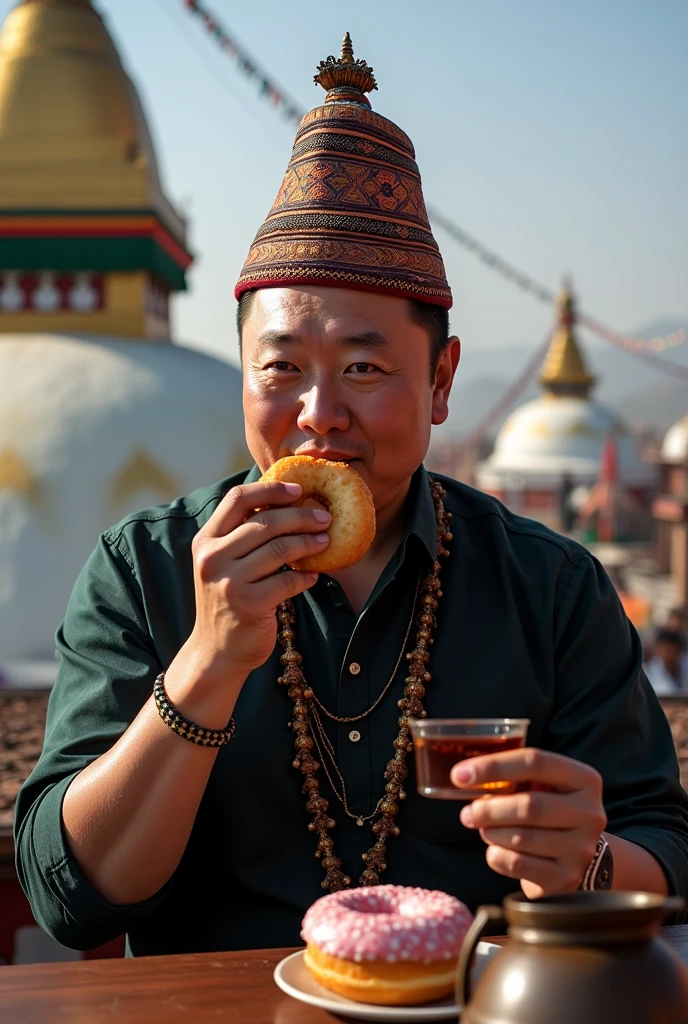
434 319
669 636
243 310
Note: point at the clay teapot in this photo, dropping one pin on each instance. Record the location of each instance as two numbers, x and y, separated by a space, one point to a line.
579 958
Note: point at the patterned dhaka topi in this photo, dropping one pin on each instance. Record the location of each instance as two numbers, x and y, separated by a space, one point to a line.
350 211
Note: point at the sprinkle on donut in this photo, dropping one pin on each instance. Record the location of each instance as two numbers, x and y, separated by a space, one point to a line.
387 922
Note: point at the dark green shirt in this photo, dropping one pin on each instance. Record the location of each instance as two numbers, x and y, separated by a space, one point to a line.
529 627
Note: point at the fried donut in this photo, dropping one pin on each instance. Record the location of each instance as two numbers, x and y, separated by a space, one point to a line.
345 495
387 944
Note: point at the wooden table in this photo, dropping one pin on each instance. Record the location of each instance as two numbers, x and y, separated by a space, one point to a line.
196 987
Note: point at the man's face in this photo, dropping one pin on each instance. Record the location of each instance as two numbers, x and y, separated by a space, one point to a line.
342 375
670 653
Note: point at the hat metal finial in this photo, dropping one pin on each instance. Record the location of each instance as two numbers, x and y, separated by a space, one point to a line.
347 56
345 79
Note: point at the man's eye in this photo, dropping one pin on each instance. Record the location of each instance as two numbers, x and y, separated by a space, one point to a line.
362 367
281 364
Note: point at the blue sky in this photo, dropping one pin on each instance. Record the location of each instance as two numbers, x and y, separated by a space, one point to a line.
556 132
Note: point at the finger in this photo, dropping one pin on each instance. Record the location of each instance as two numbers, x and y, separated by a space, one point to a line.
557 844
548 810
278 552
281 587
264 526
240 502
528 764
550 875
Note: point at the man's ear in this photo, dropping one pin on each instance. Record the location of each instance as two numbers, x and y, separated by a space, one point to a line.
444 378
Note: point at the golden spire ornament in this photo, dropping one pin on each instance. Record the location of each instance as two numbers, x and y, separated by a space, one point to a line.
345 79
564 372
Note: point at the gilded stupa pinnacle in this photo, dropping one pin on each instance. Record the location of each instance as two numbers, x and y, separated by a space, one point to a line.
564 372
90 241
66 102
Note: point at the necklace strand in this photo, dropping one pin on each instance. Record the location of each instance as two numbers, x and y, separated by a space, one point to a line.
325 748
357 718
305 725
321 741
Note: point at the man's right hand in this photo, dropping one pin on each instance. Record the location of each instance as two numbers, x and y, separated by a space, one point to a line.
128 815
237 556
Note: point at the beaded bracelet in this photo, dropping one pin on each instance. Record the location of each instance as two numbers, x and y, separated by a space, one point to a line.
183 726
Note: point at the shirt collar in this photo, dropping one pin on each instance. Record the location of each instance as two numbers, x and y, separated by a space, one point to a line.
420 510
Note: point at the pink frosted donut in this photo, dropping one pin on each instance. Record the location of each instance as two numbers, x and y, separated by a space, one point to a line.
387 922
385 944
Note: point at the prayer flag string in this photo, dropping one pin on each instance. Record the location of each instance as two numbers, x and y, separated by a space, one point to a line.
268 89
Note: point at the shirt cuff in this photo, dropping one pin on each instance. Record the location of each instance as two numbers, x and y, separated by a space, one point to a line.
73 911
669 850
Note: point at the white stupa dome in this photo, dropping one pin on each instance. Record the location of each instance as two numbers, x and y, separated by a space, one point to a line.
563 432
97 419
552 436
675 443
90 430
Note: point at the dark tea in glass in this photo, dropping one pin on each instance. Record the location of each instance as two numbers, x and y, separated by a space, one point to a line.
440 743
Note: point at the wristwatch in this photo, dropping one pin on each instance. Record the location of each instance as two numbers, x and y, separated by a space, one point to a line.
599 873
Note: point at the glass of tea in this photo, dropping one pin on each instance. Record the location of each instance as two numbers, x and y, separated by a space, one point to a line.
440 743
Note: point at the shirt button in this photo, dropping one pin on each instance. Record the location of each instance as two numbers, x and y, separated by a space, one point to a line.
354 735
354 668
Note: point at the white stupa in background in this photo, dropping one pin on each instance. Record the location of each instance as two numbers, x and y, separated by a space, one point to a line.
100 413
670 510
675 443
557 439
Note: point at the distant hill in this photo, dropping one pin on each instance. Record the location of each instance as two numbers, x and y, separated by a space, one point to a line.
658 404
643 395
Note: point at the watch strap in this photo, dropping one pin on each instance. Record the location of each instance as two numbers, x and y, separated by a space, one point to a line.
599 873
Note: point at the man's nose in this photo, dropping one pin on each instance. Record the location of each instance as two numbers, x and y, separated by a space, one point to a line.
321 411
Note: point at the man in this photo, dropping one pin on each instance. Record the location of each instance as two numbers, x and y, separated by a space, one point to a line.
666 669
125 826
676 620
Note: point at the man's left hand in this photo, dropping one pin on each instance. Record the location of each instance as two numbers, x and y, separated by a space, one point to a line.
546 836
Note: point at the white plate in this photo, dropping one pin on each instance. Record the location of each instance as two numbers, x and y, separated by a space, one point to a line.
294 978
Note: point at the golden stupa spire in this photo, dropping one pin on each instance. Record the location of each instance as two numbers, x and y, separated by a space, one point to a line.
91 243
72 3
69 112
564 371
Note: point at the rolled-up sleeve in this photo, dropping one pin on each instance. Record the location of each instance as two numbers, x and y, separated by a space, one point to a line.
608 716
108 665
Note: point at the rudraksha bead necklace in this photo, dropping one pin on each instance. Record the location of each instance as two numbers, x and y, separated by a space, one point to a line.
410 706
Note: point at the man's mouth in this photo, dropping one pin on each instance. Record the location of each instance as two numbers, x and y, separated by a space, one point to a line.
330 455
